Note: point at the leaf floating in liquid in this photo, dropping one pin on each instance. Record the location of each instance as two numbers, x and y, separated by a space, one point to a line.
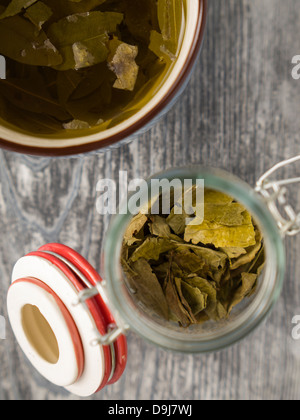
152 248
76 125
195 297
33 97
122 63
25 45
234 252
38 14
82 38
64 8
248 280
182 314
250 253
221 236
177 222
67 82
216 197
159 48
170 21
15 7
136 225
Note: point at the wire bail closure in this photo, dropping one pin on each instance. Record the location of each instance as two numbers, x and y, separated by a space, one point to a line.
275 194
114 331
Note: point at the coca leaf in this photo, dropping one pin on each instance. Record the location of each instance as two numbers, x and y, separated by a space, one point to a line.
248 281
152 248
32 97
122 63
205 270
136 225
38 14
102 49
195 298
82 38
182 313
25 45
15 7
146 287
221 236
159 227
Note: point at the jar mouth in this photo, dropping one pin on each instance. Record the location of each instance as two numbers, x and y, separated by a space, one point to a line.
173 85
211 336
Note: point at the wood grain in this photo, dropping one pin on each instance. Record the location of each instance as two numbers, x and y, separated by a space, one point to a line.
240 112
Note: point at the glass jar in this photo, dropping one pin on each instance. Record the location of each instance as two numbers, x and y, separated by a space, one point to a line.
83 312
210 336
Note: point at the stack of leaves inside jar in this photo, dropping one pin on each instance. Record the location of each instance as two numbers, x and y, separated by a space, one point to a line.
192 273
77 64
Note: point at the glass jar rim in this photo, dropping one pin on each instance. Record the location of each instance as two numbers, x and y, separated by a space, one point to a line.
244 324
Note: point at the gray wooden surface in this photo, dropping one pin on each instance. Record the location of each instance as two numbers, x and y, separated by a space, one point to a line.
240 112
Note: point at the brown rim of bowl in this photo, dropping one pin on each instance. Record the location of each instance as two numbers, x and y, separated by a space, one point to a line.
134 128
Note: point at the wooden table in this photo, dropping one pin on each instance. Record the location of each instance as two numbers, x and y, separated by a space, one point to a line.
240 112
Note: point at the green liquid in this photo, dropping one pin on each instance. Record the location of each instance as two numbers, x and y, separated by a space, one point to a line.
74 66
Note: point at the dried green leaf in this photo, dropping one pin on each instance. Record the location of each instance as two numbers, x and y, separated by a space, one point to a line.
152 248
76 125
157 45
169 17
136 225
140 18
67 82
146 287
233 214
32 96
185 304
205 287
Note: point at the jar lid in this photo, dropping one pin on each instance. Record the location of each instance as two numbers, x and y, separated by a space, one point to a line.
59 315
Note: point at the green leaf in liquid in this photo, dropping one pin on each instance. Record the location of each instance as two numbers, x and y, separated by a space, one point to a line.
15 7
38 14
82 38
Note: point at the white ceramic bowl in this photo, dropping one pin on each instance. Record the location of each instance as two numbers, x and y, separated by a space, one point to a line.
142 120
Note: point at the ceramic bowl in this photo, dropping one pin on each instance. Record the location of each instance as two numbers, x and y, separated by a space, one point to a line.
124 132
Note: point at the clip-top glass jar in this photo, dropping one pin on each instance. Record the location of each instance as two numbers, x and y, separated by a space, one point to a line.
72 325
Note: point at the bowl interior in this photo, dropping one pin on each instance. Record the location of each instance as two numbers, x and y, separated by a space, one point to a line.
194 14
